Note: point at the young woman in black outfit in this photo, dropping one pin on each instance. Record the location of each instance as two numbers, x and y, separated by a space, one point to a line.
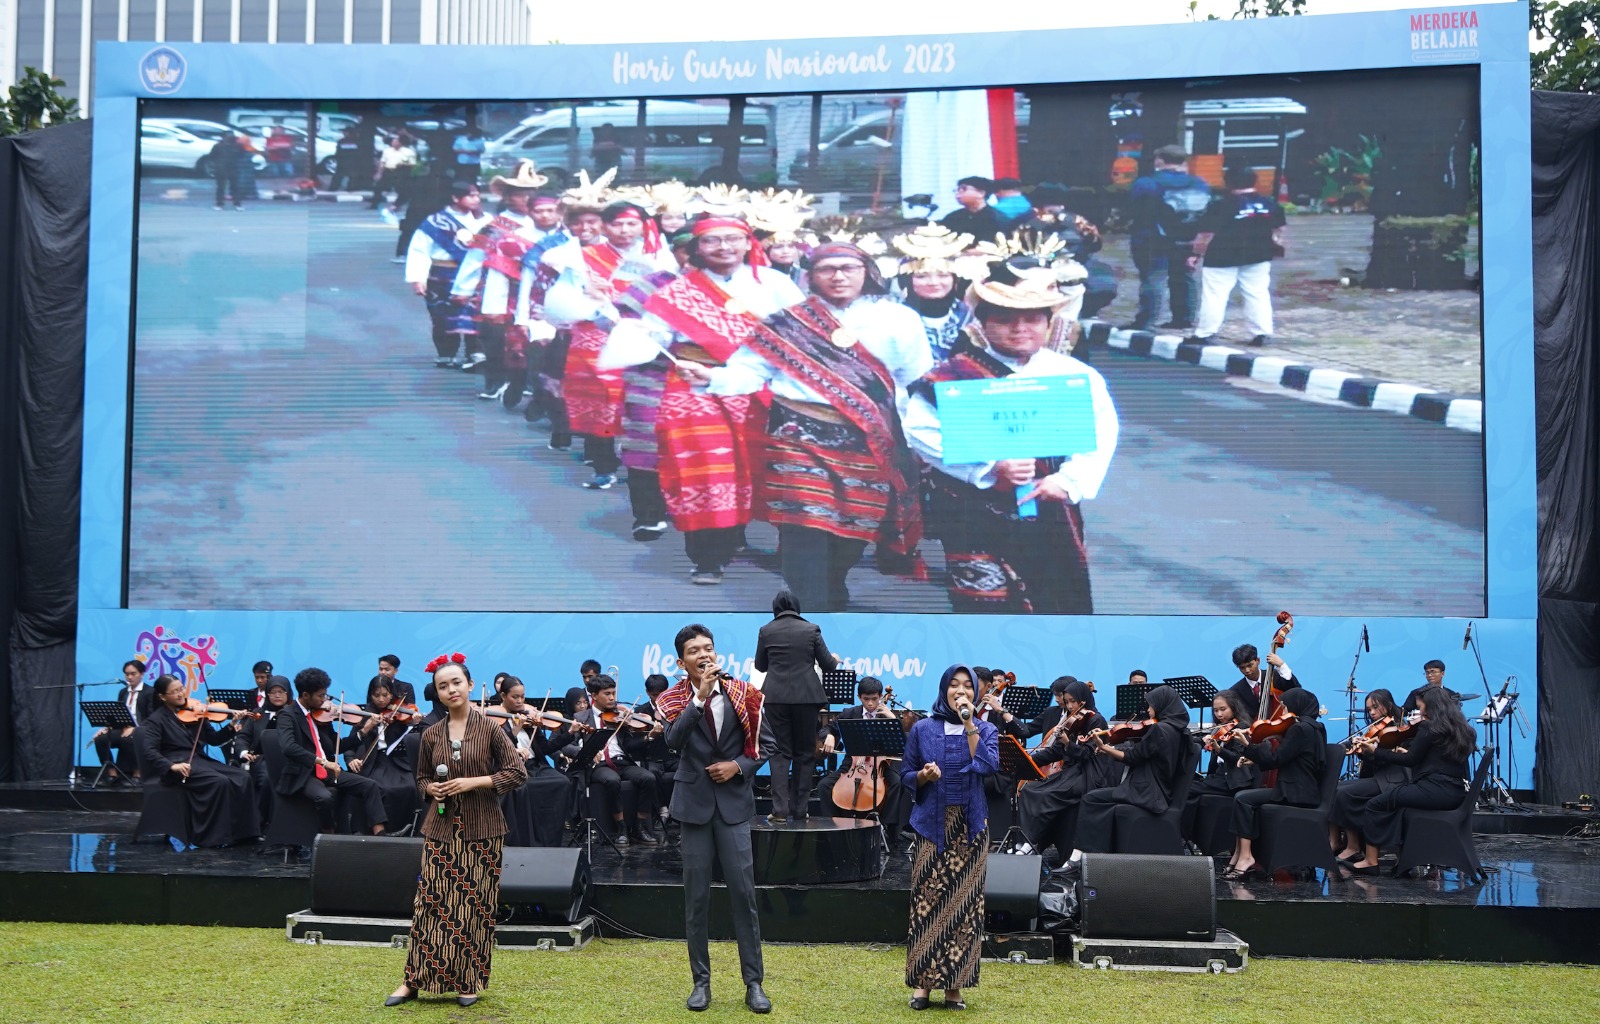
1047 809
1437 758
536 811
1350 802
1153 764
1224 775
1300 757
385 751
222 807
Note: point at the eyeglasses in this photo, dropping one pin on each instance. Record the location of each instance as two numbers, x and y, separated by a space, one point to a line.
838 270
721 241
455 750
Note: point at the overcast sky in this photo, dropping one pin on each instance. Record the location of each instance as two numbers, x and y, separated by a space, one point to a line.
634 21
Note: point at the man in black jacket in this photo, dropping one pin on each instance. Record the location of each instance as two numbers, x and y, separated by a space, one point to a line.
1248 661
138 698
788 650
310 764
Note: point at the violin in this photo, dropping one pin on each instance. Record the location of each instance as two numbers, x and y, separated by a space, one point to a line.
528 716
1387 733
197 711
346 714
624 717
1070 727
1220 736
1122 732
398 714
1275 724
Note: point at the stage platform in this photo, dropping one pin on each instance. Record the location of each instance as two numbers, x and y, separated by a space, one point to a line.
1541 901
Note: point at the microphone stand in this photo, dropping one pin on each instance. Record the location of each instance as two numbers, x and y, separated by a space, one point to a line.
1353 764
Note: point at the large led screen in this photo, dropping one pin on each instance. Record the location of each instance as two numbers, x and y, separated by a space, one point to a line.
300 442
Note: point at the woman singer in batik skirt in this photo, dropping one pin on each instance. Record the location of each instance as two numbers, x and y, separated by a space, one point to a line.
946 755
452 923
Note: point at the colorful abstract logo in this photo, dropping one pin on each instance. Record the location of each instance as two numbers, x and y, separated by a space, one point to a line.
165 653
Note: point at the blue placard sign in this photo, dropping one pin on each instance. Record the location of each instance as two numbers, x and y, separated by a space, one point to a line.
1016 418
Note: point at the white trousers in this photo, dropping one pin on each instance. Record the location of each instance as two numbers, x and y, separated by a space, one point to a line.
1255 288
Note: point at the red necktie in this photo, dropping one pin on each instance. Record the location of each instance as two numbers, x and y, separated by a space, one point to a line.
316 745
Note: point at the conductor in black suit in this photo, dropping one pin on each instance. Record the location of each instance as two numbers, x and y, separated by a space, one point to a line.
788 650
311 766
716 726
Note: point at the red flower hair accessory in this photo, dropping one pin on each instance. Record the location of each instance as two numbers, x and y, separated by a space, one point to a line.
445 659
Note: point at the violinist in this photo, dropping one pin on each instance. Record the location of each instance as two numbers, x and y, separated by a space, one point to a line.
617 762
401 692
222 808
1048 809
311 766
138 698
1154 763
247 742
1351 799
1248 661
1225 775
383 748
658 758
1299 756
990 707
894 808
1437 757
537 810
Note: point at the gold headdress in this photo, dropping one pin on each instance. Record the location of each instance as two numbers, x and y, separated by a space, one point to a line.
667 197
526 177
720 200
932 247
588 195
1028 270
780 216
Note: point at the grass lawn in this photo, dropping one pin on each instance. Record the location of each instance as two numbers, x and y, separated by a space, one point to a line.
177 975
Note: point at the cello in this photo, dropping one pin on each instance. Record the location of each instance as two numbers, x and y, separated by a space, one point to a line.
860 787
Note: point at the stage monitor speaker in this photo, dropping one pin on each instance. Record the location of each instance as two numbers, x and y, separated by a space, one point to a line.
544 884
1011 893
364 876
1138 896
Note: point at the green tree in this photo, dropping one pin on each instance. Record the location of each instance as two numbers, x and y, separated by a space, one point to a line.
1571 63
1254 9
33 102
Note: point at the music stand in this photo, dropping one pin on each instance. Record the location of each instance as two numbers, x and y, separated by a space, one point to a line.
839 684
1026 702
1133 700
108 715
1016 762
1195 691
878 738
584 762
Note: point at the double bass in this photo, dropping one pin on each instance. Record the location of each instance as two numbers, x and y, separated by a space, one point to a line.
1270 694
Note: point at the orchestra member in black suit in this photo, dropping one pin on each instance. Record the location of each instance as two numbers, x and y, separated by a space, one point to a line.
894 809
716 726
789 650
1299 756
661 762
1432 676
138 699
1248 661
222 808
615 763
400 691
1351 798
1225 775
262 671
1437 757
1047 809
310 766
536 811
384 749
247 742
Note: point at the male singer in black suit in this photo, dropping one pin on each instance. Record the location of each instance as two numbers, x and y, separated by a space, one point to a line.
1248 661
716 727
788 650
138 699
309 755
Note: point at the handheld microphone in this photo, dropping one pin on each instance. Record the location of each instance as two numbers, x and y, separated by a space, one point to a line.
966 712
1468 638
1365 643
441 773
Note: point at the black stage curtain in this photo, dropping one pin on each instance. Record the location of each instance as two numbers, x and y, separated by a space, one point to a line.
1566 340
44 222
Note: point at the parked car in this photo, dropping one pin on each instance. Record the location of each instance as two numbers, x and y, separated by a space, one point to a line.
680 139
183 144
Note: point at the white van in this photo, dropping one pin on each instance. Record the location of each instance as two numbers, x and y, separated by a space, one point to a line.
680 140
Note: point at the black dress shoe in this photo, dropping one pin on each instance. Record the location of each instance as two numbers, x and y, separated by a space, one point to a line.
641 837
756 999
700 998
397 1000
466 1000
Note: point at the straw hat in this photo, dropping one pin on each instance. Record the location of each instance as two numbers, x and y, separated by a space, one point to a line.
526 178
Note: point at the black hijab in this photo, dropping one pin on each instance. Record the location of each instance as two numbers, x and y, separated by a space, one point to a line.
1302 702
1168 707
942 708
1081 693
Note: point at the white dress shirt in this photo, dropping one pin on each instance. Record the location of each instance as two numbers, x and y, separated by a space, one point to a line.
423 250
568 301
496 285
1080 476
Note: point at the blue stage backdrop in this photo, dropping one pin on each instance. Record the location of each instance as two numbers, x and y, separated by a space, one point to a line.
275 468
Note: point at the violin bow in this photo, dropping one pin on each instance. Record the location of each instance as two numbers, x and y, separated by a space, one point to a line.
194 747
